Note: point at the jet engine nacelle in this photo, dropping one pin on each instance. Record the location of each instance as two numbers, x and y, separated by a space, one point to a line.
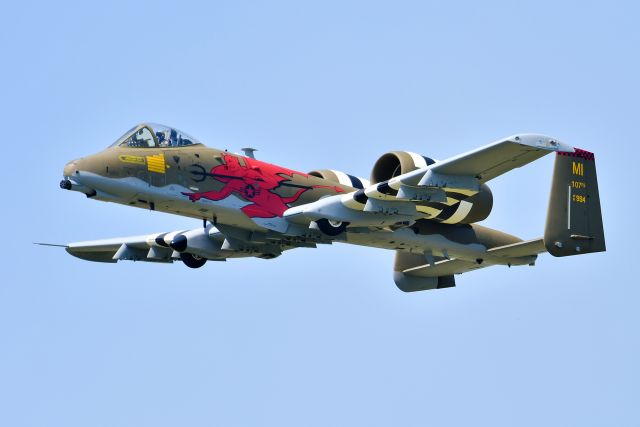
340 178
459 208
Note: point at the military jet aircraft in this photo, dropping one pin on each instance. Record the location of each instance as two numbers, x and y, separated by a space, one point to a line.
424 210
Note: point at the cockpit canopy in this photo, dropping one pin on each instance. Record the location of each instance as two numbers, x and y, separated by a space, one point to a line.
152 135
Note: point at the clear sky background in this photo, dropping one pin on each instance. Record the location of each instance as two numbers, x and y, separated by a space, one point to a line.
316 337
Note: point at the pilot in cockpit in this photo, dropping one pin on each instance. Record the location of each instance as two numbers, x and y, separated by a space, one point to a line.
163 140
142 138
173 138
167 138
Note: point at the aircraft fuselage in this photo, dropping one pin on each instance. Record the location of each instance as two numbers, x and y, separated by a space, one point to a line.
197 181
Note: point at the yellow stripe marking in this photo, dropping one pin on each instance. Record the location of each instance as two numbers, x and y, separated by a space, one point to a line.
156 163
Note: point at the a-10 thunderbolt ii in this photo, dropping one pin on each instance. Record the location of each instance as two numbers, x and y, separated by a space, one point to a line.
424 210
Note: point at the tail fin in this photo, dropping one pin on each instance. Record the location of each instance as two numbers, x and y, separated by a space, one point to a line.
574 220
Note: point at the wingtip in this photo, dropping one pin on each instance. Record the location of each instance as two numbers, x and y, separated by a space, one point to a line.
542 142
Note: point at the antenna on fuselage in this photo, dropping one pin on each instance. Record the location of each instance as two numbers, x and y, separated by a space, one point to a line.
248 151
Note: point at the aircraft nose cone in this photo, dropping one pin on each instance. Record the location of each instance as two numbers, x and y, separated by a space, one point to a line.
179 243
70 168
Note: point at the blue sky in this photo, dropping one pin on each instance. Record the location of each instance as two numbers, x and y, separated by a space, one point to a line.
316 337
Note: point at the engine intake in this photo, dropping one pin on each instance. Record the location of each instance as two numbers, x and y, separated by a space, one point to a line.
396 163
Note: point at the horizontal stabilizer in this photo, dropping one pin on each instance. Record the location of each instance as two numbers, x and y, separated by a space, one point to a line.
416 272
519 250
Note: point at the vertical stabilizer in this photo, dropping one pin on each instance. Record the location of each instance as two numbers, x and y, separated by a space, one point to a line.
574 220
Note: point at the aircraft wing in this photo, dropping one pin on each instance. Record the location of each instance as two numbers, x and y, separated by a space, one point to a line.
493 160
446 191
133 248
208 242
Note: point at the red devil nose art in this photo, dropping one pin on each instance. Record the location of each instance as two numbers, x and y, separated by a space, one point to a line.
254 182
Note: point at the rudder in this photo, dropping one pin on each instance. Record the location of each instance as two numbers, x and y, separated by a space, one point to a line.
574 220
